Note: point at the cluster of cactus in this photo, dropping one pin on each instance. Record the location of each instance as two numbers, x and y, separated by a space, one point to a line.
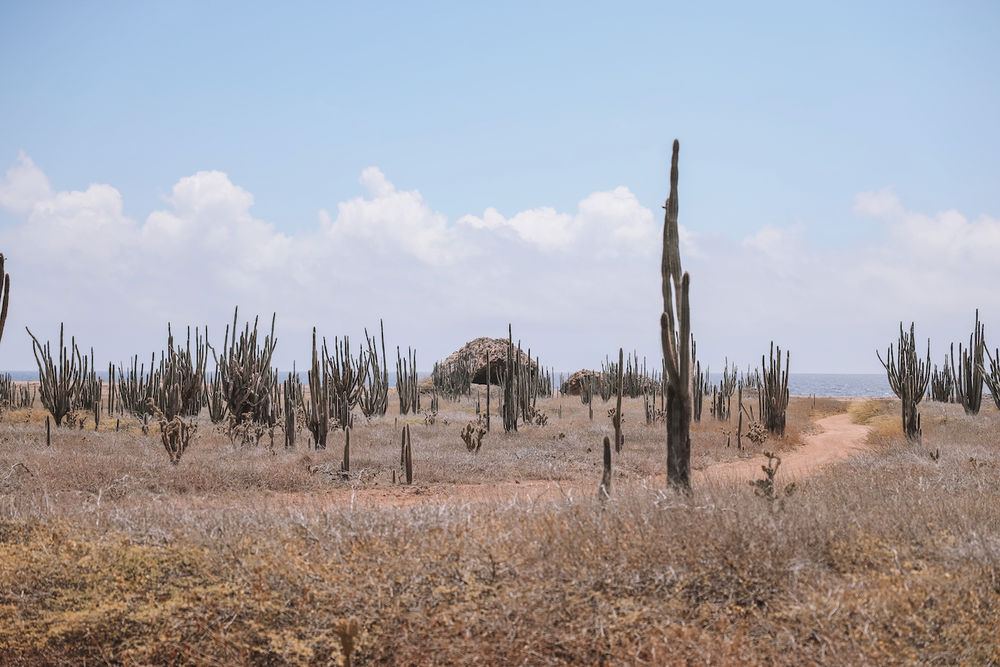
374 397
134 388
247 381
14 397
633 378
453 380
772 393
519 386
969 383
407 382
346 377
176 386
317 408
722 395
699 385
943 382
675 337
292 395
908 378
70 384
59 380
992 378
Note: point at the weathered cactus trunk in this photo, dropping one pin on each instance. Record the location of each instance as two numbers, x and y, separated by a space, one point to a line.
908 379
6 296
675 337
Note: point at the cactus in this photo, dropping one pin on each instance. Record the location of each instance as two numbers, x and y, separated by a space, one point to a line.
604 490
175 434
617 419
908 379
969 384
178 387
248 382
407 386
773 392
6 296
135 388
58 384
992 378
292 392
317 409
374 398
698 387
675 337
943 382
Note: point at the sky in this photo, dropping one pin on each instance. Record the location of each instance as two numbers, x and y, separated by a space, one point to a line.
449 169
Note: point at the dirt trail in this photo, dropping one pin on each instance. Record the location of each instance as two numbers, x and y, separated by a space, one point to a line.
838 440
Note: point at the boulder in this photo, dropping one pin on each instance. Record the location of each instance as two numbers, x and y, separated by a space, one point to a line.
573 386
474 353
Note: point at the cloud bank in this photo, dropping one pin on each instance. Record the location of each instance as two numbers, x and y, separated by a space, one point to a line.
575 285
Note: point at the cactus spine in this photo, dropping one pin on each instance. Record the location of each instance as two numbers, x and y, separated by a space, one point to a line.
675 337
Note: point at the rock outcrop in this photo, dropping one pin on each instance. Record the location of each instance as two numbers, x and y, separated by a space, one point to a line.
573 386
474 353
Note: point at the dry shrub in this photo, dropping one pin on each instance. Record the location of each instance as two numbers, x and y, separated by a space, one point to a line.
863 412
889 558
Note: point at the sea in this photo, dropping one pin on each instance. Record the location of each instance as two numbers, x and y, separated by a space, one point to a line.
863 385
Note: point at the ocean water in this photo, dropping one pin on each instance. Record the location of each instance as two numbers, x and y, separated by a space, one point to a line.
834 384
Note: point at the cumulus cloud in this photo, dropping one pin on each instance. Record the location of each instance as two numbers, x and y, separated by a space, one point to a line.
24 185
576 285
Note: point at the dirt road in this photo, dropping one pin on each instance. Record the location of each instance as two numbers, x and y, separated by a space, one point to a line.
838 440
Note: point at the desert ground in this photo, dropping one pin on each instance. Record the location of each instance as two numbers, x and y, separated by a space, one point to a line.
865 549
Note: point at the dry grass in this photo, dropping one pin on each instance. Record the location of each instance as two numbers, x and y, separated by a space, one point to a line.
109 554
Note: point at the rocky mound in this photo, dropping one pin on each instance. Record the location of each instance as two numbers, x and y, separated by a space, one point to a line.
474 353
573 386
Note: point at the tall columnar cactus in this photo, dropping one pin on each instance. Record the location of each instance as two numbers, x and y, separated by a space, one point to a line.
773 392
675 337
908 378
969 387
6 296
992 378
374 398
943 382
317 408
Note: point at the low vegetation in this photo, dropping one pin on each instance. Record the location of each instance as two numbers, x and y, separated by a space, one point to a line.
253 554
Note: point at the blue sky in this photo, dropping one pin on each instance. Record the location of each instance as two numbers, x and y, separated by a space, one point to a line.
826 150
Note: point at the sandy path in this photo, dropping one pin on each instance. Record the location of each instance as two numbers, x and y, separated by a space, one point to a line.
838 440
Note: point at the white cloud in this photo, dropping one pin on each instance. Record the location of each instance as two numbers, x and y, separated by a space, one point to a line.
24 185
575 285
883 204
